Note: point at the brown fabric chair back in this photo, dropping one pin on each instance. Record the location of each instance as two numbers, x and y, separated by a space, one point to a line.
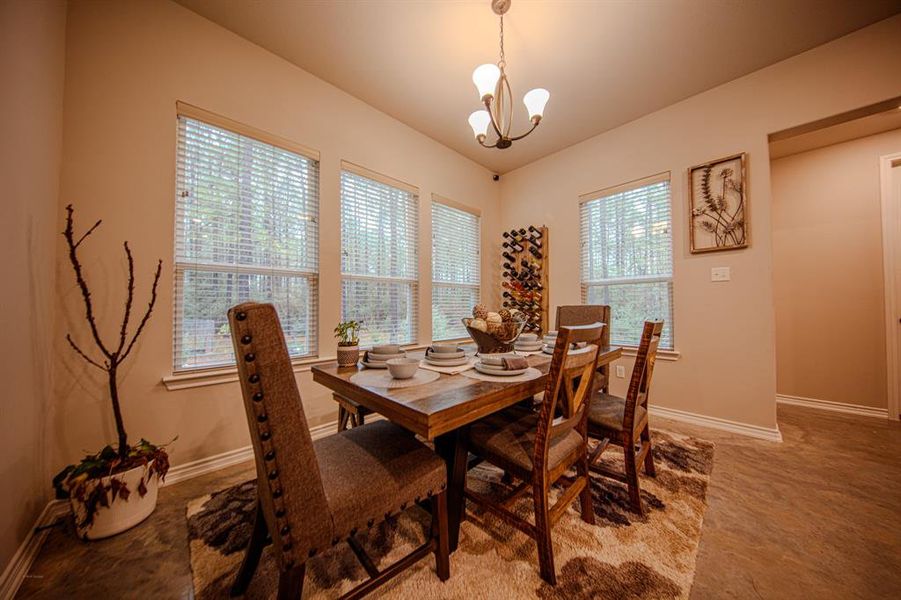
640 384
569 384
288 479
585 314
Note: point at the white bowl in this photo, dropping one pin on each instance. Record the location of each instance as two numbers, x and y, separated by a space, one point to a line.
527 338
403 368
445 349
386 349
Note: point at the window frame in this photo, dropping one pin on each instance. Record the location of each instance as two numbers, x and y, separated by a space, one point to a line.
600 195
448 203
414 281
180 267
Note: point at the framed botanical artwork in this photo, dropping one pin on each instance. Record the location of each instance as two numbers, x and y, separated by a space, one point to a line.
719 217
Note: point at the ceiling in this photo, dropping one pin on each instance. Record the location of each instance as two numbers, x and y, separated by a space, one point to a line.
605 62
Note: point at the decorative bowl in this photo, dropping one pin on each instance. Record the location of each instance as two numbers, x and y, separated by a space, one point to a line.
403 368
500 339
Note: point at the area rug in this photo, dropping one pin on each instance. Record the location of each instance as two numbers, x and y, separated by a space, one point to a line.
622 556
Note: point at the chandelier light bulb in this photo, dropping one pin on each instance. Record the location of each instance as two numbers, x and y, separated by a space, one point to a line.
479 121
535 101
485 77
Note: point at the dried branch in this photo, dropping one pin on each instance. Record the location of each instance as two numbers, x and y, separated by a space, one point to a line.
83 355
128 302
156 280
88 232
79 277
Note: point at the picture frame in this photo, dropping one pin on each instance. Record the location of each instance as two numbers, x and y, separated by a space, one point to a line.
719 208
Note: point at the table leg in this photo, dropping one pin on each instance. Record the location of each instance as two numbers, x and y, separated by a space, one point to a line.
451 447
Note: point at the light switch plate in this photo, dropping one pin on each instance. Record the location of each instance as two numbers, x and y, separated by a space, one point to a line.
720 274
620 371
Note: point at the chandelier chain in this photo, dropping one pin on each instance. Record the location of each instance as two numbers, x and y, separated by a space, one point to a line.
503 61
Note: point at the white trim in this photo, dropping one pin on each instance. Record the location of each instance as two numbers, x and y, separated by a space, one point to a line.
842 407
890 239
755 431
21 562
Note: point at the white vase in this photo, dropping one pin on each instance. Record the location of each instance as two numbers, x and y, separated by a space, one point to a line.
120 514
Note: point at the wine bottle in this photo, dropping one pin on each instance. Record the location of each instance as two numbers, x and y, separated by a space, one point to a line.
509 257
534 251
513 246
534 230
534 242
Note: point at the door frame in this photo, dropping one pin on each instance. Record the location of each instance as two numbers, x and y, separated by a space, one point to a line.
891 234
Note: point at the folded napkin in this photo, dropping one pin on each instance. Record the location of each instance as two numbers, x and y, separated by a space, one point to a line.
512 363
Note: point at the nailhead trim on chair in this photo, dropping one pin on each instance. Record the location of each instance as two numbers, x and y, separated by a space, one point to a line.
269 455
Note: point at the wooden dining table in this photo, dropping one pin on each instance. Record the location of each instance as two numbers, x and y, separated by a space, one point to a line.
442 411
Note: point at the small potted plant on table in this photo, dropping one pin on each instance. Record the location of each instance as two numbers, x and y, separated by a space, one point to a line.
116 488
348 343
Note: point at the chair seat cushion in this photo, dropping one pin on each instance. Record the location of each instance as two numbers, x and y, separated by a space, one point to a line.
510 436
375 469
607 412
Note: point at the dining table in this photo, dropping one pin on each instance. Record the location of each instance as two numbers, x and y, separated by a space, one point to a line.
442 410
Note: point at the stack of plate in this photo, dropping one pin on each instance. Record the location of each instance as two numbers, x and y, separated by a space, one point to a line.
378 357
527 342
446 355
493 364
549 341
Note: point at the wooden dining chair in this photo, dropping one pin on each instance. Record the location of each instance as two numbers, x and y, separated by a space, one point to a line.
310 495
623 422
538 448
584 314
350 413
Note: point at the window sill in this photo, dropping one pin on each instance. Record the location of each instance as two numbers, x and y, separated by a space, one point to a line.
206 377
668 355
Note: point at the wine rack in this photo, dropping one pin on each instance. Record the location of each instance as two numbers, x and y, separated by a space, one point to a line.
524 255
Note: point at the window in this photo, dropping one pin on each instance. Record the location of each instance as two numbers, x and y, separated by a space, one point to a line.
246 228
455 268
627 257
379 269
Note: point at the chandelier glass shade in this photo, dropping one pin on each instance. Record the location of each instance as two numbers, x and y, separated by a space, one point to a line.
494 91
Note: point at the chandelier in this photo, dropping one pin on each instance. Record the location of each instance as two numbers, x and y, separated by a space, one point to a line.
494 90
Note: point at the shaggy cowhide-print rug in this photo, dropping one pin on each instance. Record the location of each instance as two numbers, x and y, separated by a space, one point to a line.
622 556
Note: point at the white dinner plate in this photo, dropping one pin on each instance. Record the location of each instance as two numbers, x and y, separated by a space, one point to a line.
445 355
489 370
548 349
383 357
448 363
528 347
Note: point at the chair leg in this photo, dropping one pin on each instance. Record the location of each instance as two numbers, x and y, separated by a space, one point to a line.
442 550
632 474
252 555
343 416
543 533
587 507
290 583
361 419
649 456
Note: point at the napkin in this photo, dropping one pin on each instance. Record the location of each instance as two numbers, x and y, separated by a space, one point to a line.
512 363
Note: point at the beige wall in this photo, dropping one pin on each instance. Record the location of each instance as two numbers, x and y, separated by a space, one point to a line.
724 331
127 65
32 68
827 271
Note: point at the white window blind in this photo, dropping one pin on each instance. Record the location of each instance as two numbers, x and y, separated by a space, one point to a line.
627 258
455 269
379 269
245 229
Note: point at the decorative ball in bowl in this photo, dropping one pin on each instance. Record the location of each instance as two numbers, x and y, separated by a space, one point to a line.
493 335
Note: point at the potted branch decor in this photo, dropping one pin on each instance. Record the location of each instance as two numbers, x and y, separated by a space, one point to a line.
348 343
116 488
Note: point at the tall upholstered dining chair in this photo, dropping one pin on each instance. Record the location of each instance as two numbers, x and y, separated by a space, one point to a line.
537 448
623 422
310 495
584 314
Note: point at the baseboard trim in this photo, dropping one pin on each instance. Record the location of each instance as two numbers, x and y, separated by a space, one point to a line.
24 557
840 407
754 431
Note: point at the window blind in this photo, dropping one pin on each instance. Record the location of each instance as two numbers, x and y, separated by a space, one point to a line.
246 228
456 261
627 258
379 268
